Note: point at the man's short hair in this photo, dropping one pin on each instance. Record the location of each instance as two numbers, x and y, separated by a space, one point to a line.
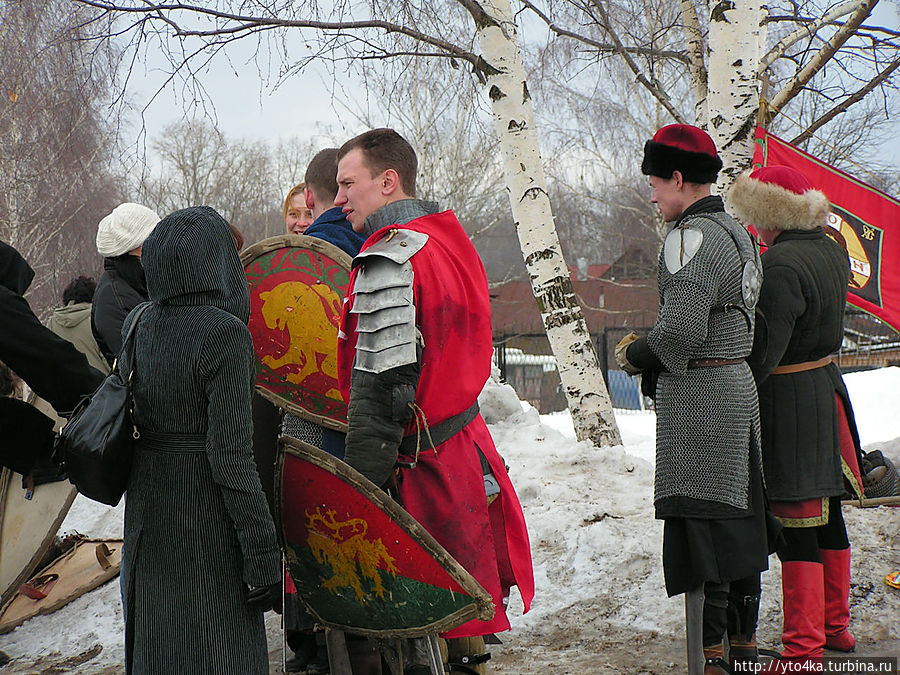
385 149
80 289
321 174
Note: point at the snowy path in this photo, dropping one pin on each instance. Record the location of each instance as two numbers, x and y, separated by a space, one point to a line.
600 605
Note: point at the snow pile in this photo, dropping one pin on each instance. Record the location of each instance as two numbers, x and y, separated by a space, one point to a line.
584 508
600 604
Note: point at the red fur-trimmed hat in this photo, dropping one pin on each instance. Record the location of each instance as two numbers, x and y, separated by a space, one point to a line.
684 148
777 198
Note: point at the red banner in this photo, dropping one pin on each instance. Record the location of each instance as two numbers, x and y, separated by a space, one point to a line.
868 220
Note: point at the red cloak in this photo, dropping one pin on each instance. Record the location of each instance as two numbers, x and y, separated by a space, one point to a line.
445 491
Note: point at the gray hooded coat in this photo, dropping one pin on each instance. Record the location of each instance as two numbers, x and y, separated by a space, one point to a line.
197 527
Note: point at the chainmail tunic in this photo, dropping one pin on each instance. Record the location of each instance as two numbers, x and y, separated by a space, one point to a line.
301 429
708 416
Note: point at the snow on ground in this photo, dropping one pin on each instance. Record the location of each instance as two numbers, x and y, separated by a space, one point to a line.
600 605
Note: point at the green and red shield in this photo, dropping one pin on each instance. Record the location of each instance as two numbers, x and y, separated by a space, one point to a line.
297 285
359 561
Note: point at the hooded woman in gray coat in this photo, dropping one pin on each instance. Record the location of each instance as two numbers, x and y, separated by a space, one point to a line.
199 539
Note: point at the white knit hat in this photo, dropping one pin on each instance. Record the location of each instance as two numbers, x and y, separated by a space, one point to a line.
125 229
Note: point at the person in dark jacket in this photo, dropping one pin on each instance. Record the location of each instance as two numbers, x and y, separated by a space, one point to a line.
329 224
200 561
122 286
52 367
809 437
708 483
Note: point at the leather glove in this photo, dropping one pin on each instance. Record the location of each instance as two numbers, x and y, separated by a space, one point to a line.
621 357
264 598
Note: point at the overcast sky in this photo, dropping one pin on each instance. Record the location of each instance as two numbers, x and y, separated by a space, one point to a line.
246 104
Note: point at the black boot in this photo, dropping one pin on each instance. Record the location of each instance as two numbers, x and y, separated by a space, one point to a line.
743 612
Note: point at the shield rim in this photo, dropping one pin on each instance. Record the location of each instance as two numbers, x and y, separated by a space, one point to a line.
482 605
7 478
317 245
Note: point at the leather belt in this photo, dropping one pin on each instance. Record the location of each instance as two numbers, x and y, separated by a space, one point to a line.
800 367
706 363
443 431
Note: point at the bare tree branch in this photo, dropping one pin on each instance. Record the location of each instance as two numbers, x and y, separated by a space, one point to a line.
808 20
846 103
799 80
807 31
604 47
652 87
249 23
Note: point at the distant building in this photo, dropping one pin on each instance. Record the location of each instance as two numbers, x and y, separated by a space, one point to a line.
608 297
615 299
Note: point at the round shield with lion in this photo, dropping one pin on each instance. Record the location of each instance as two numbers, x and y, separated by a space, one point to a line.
297 286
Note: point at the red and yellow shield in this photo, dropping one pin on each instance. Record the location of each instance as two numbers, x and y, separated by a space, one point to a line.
297 285
359 561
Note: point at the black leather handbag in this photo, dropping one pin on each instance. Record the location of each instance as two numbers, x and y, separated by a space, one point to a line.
96 445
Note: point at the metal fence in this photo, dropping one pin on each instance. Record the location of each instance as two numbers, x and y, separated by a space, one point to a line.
526 364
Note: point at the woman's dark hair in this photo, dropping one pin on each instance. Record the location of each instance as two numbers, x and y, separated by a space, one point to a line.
80 289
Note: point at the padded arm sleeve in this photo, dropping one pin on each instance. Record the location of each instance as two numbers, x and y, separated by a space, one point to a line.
379 409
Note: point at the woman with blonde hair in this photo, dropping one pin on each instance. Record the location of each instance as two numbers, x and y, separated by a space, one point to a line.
297 213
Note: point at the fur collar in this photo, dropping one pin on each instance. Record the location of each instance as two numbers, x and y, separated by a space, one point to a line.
767 206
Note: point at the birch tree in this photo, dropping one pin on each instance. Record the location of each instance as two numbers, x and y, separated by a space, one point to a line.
563 320
802 68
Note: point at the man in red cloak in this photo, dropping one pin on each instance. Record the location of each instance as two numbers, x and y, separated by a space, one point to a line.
414 353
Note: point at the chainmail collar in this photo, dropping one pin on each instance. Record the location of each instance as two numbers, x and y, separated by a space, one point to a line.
710 204
398 213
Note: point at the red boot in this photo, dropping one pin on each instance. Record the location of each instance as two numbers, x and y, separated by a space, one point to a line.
802 585
837 599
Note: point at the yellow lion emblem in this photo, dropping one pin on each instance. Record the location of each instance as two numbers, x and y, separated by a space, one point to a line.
300 309
343 546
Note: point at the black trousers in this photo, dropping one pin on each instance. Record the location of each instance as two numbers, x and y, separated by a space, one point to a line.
730 607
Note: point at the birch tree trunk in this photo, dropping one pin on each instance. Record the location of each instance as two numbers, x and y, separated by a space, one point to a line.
697 66
735 36
576 358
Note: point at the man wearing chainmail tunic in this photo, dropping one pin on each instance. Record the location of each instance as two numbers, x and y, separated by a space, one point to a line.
708 485
414 352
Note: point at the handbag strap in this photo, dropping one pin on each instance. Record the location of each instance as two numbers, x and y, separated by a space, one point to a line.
128 349
128 343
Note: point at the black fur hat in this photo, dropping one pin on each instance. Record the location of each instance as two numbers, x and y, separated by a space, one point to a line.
684 148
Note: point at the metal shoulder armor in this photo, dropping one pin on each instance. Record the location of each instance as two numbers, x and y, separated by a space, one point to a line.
681 245
383 302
